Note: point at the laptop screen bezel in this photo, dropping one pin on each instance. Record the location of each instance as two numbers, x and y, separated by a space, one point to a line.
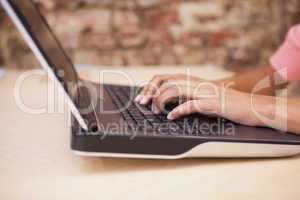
24 27
27 26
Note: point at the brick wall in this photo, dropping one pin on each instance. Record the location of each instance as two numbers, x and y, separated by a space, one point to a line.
228 33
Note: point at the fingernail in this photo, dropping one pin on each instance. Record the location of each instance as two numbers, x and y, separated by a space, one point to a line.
155 109
138 98
144 100
152 108
170 116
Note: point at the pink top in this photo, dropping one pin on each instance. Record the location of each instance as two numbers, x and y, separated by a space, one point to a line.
287 58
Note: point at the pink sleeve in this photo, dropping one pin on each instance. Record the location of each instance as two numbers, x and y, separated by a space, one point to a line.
286 60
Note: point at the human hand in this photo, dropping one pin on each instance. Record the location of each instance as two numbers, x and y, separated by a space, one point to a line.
210 98
161 81
236 106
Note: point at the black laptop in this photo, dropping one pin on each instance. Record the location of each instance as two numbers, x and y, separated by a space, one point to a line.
107 122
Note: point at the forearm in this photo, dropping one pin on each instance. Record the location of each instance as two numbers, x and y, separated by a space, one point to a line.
277 112
246 82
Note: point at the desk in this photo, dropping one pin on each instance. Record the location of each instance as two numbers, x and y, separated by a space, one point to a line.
36 161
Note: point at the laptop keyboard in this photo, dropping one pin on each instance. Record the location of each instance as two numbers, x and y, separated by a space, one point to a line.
139 116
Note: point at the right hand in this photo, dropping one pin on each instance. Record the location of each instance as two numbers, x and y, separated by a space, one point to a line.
200 96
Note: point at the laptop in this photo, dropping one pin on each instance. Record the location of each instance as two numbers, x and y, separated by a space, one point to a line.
106 122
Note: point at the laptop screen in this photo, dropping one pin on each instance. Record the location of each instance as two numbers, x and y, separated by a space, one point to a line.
47 43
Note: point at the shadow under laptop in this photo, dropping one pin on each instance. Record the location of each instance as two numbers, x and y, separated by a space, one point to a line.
120 165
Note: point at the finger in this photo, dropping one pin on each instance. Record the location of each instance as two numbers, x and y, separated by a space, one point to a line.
145 95
186 108
141 95
152 87
164 87
199 89
175 82
182 81
156 82
194 106
177 92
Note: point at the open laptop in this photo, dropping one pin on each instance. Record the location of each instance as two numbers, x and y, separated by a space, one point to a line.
107 122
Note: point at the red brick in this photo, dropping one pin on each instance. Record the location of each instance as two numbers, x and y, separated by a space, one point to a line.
128 29
219 38
161 31
97 41
124 4
92 57
123 19
158 19
127 57
148 3
192 40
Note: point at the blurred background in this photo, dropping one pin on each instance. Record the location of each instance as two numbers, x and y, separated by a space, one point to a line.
231 34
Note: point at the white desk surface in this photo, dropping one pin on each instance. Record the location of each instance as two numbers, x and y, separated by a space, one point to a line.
36 161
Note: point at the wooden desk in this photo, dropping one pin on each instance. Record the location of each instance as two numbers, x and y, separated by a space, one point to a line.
36 161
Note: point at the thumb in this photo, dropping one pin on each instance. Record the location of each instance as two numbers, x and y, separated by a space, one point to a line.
206 106
184 109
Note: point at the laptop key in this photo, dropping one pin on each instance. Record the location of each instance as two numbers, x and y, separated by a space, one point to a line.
139 116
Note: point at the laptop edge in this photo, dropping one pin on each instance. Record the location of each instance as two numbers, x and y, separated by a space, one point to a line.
200 148
37 52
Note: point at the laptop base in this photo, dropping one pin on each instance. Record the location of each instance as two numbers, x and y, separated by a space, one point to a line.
213 150
244 142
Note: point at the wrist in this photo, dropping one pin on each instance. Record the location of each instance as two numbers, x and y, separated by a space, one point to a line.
246 108
263 108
